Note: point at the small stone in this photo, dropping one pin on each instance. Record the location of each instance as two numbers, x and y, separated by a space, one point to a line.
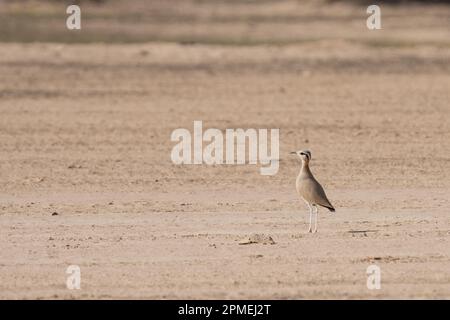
257 238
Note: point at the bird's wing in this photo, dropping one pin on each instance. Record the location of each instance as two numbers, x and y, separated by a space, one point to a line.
320 197
311 190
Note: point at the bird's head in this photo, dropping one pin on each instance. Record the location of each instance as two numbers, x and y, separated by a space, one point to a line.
305 155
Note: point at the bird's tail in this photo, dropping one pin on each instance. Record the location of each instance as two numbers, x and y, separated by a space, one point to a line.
331 208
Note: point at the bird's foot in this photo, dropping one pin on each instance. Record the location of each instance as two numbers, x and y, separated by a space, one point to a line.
310 230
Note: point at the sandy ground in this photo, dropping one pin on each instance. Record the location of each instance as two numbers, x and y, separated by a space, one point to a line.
86 176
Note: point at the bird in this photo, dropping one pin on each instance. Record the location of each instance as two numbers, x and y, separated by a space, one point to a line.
310 190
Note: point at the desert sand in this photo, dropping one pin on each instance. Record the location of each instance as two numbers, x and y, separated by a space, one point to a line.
86 177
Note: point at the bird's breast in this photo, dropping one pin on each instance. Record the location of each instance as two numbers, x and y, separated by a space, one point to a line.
305 188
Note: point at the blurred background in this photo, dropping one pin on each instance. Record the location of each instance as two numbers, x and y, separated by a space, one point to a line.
231 22
311 68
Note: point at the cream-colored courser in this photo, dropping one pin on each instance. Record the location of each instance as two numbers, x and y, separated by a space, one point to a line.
310 189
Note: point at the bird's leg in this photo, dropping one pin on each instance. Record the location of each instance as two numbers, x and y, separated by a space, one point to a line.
317 215
310 217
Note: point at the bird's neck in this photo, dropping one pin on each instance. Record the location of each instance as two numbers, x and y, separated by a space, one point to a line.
305 168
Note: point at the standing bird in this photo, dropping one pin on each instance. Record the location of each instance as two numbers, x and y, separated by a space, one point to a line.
310 189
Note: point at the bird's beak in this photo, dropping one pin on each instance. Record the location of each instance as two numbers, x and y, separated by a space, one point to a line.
293 152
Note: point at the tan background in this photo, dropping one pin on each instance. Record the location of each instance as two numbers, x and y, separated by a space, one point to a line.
85 125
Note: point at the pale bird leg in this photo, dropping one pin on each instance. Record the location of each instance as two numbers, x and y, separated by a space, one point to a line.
317 215
310 217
